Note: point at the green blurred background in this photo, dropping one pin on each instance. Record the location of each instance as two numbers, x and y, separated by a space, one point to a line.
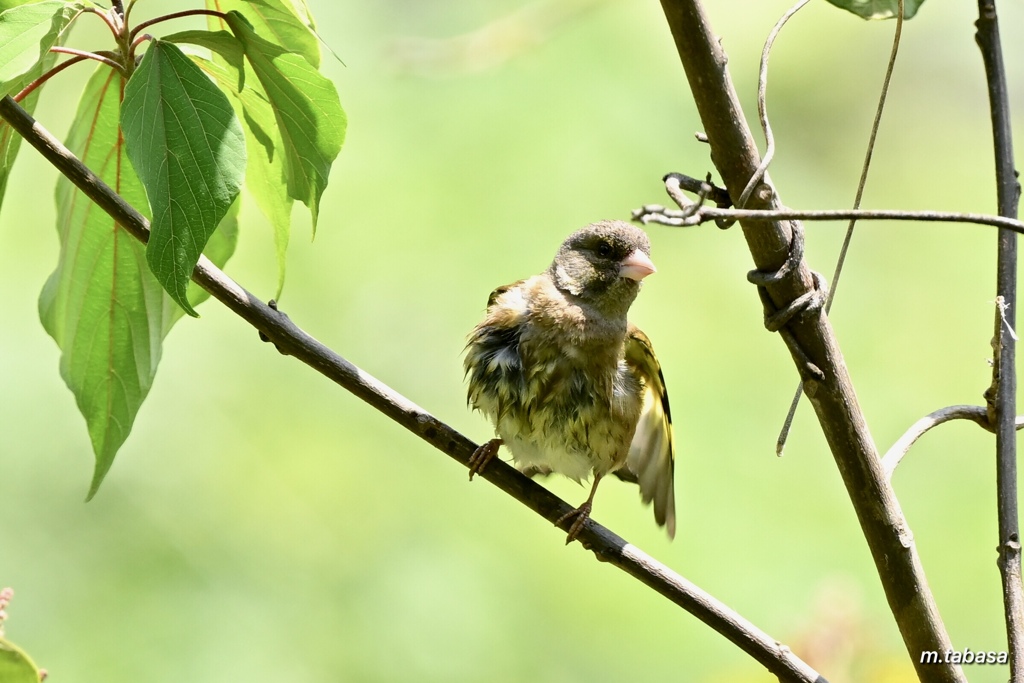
261 524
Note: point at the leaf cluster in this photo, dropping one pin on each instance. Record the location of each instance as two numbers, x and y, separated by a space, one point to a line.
177 135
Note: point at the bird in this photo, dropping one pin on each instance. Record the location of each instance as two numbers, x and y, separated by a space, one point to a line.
570 385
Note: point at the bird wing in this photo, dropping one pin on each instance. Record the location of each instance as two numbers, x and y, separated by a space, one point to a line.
492 362
652 453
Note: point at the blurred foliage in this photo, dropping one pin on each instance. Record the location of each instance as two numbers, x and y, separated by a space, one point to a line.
262 525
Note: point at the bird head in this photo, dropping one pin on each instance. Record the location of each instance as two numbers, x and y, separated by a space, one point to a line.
603 264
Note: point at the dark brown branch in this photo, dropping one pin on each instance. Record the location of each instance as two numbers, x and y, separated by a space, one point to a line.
975 414
1002 395
291 340
812 343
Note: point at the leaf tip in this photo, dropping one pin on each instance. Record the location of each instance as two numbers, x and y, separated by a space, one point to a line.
97 479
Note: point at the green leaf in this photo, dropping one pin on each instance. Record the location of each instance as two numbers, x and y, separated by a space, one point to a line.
102 304
281 22
15 665
306 108
10 142
27 32
266 181
187 147
264 174
220 42
219 249
879 9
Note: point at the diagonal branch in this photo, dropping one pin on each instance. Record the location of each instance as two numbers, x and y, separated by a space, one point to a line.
1002 396
786 279
292 341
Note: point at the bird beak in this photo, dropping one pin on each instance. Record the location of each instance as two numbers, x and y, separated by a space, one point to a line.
637 266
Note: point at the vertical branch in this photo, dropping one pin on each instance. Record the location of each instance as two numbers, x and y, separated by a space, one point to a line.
1002 395
814 348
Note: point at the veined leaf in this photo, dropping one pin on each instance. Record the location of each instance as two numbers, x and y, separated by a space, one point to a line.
222 43
301 8
15 665
27 32
879 9
266 181
276 176
102 304
219 248
264 175
307 110
264 172
187 147
280 22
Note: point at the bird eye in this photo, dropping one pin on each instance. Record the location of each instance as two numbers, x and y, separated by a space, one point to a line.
604 249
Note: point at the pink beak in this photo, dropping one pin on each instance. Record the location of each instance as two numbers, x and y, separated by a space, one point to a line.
637 266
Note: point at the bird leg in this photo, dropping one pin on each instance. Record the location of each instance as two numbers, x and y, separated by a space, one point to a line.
582 513
483 455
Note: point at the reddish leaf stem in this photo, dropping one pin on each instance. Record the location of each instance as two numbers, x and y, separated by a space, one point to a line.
176 15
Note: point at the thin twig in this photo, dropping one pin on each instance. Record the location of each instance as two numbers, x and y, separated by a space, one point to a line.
293 341
976 414
176 15
762 105
1002 395
27 90
654 213
812 342
89 55
104 16
780 443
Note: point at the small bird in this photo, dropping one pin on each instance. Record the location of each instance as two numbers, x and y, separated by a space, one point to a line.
571 386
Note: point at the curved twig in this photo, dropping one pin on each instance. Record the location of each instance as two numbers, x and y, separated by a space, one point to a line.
28 89
102 15
762 105
103 58
975 414
174 15
291 340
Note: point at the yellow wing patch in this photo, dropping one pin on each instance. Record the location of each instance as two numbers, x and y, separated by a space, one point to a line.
652 452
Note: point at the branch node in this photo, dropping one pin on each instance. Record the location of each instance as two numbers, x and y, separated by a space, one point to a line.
272 304
810 387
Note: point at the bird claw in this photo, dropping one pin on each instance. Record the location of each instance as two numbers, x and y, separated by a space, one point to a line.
483 455
582 514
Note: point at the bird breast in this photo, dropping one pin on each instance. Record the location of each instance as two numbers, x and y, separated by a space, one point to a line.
555 384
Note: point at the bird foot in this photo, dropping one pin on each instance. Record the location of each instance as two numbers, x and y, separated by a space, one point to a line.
483 455
582 514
